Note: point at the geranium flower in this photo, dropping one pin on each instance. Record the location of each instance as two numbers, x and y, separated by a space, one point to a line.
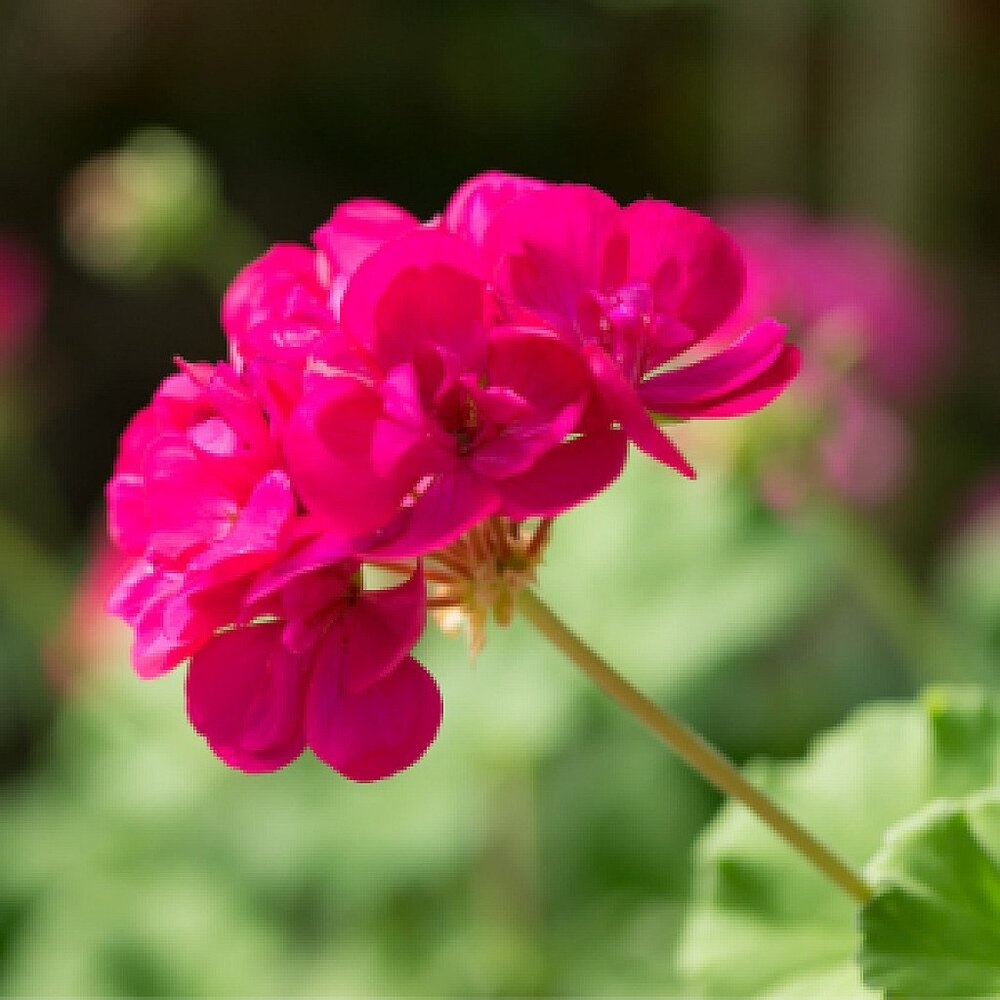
328 668
472 208
286 647
199 500
876 329
407 395
633 289
282 303
846 280
445 420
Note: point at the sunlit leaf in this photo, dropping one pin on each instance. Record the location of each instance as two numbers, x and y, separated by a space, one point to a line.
764 924
933 928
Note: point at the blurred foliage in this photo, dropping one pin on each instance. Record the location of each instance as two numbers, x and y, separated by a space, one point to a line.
541 818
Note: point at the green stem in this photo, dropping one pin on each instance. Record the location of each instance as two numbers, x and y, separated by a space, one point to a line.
703 757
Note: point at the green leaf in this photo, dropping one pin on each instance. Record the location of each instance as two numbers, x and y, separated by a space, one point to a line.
933 928
763 922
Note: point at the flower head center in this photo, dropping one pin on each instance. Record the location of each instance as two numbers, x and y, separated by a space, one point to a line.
481 574
460 414
620 323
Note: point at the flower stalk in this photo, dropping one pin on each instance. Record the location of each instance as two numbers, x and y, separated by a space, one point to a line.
698 753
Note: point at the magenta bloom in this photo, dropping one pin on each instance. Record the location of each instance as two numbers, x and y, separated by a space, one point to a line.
281 304
189 465
407 395
328 668
849 273
633 289
199 498
472 208
445 420
876 333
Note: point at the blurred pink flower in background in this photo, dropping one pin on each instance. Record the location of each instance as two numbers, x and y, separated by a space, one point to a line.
22 295
877 333
89 636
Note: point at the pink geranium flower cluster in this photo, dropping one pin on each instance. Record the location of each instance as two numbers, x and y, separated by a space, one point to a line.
877 333
407 395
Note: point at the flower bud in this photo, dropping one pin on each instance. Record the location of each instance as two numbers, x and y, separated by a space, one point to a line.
147 205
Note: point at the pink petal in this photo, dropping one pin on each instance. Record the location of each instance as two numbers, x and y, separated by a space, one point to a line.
138 585
565 476
245 696
330 444
423 288
396 447
214 437
321 594
178 395
738 364
695 268
143 428
542 369
320 552
451 505
256 536
276 307
178 619
353 233
241 411
128 524
525 442
380 629
157 649
277 386
544 249
141 599
246 300
184 508
407 439
401 394
552 379
473 206
376 732
752 396
626 407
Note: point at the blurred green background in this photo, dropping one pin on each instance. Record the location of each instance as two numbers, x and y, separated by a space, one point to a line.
543 847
